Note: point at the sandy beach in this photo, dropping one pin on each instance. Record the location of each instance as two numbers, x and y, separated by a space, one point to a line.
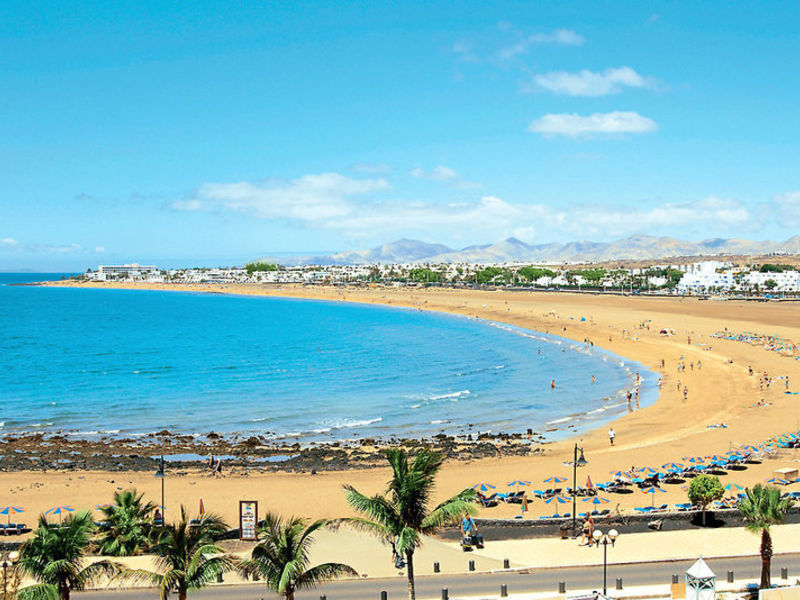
721 391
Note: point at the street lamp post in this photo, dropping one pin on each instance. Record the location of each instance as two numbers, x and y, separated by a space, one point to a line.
605 539
576 462
9 560
161 473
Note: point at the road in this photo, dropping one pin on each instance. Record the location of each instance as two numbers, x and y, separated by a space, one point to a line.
576 578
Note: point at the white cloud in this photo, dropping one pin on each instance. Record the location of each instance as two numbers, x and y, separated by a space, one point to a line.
360 209
786 209
308 198
590 83
440 173
8 242
561 37
574 125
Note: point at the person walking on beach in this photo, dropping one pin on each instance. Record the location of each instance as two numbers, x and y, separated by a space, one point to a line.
611 435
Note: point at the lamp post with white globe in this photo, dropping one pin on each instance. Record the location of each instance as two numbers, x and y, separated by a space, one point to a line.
605 540
9 560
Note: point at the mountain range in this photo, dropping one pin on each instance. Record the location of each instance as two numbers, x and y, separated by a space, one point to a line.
637 247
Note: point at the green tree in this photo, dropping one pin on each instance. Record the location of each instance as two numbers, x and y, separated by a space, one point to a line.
703 490
188 557
770 284
761 508
281 557
770 268
260 265
402 515
531 273
487 274
125 530
55 558
424 275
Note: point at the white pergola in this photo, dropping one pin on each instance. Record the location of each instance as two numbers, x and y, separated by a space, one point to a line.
701 583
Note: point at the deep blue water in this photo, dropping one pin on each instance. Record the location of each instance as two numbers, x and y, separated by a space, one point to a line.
130 362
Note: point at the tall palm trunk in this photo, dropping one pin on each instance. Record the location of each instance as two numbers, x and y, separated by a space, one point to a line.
766 557
412 593
182 594
289 594
63 590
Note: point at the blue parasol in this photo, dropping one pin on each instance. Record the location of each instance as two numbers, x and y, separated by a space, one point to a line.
483 487
59 510
7 510
555 479
558 499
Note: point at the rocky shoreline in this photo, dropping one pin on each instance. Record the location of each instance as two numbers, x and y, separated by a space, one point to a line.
59 451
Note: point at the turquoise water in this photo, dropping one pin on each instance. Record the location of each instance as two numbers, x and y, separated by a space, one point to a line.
124 362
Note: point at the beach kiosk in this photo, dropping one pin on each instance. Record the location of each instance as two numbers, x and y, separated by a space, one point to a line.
701 583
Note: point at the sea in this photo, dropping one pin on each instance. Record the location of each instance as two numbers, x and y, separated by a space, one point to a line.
91 362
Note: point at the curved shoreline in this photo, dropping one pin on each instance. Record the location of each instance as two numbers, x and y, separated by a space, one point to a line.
583 421
557 426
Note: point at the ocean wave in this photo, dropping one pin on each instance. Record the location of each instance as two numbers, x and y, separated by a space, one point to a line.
450 396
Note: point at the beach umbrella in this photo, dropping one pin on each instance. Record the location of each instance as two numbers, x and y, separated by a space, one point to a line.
555 479
483 487
589 484
732 486
202 507
652 490
749 448
695 460
558 499
777 480
672 466
518 483
59 510
646 470
596 500
8 510
101 506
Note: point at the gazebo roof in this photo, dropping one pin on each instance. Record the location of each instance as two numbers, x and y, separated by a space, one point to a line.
700 570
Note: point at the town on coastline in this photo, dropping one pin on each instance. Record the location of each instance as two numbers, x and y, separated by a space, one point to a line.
706 277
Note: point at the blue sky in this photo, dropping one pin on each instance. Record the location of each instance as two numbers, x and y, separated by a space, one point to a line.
212 133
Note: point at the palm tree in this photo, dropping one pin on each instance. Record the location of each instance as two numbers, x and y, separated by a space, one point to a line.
281 557
188 557
762 507
54 557
126 528
401 515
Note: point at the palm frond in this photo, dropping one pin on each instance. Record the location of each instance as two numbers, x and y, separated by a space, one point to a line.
39 591
324 572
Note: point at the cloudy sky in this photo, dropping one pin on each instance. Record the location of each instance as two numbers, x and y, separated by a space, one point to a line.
189 133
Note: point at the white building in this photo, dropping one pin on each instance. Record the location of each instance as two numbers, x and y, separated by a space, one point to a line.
131 271
706 276
788 281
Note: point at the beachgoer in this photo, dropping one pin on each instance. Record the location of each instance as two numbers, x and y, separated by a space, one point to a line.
468 526
594 380
552 384
611 435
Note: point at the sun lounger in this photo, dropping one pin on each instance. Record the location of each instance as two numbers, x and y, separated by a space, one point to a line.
489 501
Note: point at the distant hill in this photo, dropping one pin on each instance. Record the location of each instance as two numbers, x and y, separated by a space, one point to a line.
637 247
